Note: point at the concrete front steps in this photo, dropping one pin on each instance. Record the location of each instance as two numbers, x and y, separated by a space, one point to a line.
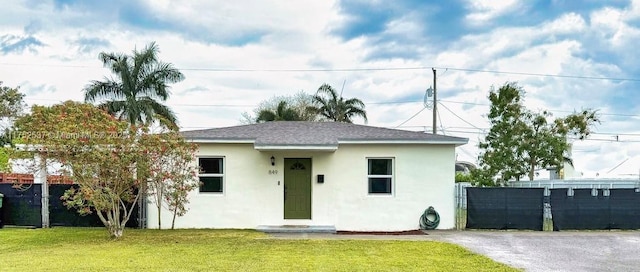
296 229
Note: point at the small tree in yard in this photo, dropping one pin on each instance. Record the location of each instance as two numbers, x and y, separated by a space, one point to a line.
100 154
172 172
95 150
520 141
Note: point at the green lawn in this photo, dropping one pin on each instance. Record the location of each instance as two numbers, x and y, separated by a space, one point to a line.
90 249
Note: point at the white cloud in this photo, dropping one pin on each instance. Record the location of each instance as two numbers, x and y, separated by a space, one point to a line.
484 11
569 23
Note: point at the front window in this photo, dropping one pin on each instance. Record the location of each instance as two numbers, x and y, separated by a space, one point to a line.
380 175
211 175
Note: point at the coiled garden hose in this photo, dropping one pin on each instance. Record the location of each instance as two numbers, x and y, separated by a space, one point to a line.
426 223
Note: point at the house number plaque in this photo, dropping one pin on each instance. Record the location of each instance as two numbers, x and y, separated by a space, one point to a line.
273 172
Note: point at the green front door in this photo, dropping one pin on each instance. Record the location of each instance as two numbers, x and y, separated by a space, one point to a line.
297 188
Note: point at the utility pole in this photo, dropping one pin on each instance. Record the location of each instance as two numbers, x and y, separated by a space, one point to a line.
435 102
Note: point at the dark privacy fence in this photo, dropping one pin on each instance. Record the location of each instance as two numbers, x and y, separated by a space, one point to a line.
595 209
22 206
505 208
571 209
59 215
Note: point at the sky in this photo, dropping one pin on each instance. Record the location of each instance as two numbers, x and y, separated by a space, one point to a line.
568 55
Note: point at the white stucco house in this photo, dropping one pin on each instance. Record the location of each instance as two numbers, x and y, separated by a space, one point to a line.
344 176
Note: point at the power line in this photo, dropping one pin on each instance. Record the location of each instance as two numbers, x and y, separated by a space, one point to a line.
382 103
464 103
441 125
356 69
456 115
586 139
609 140
448 129
483 130
621 163
542 75
288 70
393 102
368 103
51 65
306 70
212 105
551 110
421 110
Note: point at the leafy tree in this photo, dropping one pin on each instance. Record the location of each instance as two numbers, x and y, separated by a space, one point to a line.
101 154
282 113
96 150
5 167
172 172
301 102
521 141
295 108
136 94
462 177
11 102
11 107
140 87
333 107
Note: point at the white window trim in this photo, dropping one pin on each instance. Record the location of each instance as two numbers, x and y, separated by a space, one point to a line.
392 176
224 170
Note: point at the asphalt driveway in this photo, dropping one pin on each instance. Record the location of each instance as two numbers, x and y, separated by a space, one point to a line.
532 250
553 251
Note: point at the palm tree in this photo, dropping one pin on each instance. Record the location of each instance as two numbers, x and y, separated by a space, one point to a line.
282 113
335 108
139 88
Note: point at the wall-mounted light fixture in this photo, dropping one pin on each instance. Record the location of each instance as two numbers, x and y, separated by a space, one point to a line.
273 161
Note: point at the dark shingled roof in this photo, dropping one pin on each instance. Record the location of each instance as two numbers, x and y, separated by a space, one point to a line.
289 133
